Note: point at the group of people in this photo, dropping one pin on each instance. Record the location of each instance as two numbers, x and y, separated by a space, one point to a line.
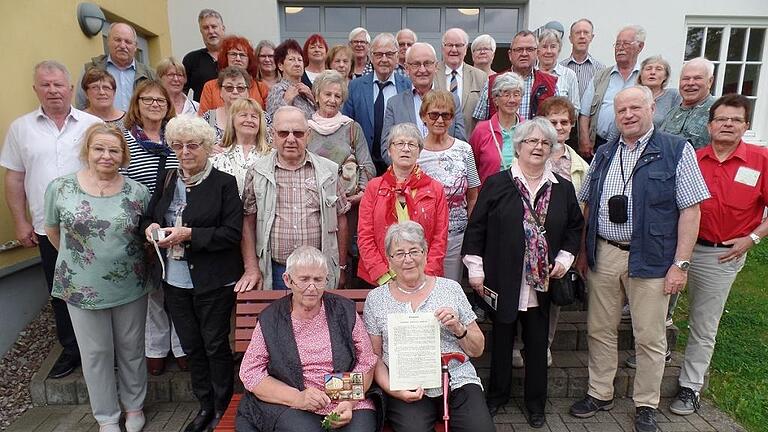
374 165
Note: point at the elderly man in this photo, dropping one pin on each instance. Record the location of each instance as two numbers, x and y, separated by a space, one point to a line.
461 79
405 38
596 117
689 120
41 146
537 87
370 94
643 217
581 61
732 221
404 108
201 65
299 201
359 41
121 64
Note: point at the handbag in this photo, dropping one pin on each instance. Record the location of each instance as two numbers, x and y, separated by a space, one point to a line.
349 169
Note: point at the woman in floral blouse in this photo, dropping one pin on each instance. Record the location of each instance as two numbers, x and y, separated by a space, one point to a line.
92 218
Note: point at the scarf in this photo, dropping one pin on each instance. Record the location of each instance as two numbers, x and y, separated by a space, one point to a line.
147 144
326 126
536 257
407 188
198 178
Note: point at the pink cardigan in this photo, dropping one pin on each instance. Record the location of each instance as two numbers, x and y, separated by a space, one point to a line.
487 155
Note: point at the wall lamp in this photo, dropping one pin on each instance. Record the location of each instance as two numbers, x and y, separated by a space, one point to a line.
91 18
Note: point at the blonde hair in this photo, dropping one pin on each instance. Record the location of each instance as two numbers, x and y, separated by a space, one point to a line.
230 136
104 129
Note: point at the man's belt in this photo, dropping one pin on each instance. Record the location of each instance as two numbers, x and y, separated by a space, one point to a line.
622 246
703 242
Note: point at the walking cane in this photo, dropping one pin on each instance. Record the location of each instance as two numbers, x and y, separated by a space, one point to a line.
445 359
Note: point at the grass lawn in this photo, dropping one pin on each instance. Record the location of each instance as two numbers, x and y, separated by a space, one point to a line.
738 382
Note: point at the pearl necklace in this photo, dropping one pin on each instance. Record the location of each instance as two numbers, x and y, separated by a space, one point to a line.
423 284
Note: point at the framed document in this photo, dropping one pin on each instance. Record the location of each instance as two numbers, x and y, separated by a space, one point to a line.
414 351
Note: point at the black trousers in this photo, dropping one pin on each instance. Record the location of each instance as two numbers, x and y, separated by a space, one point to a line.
202 323
467 407
64 330
535 326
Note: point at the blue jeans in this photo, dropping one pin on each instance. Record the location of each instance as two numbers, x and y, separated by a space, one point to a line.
277 276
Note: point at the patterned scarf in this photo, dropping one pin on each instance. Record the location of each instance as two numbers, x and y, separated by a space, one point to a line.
407 188
536 259
147 144
198 178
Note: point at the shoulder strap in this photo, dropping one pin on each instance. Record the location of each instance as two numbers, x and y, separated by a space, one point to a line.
528 204
352 137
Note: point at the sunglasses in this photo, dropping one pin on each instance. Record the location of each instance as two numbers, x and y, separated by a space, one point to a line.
284 133
435 115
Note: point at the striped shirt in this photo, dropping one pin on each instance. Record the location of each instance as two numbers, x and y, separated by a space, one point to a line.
584 70
144 165
567 84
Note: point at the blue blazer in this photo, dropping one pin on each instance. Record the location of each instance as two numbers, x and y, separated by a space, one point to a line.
359 104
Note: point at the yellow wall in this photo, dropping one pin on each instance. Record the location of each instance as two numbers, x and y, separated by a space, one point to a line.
35 30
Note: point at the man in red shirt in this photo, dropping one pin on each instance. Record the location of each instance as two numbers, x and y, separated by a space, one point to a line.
731 223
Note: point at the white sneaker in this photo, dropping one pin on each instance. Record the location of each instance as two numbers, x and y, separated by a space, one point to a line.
517 359
135 422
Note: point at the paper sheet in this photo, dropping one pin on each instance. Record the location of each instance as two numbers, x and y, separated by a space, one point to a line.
414 351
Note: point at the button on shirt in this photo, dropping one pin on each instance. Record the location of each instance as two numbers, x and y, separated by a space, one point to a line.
690 123
389 91
124 79
606 117
36 147
459 79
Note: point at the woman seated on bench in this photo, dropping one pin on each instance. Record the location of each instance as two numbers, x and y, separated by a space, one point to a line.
284 366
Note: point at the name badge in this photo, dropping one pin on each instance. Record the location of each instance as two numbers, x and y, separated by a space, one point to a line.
747 176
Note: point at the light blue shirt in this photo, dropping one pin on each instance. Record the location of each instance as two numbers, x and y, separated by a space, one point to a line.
606 117
389 90
417 108
124 79
176 271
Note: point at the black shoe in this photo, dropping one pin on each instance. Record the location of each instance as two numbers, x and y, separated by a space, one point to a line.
201 421
64 366
536 420
589 406
645 419
493 408
216 419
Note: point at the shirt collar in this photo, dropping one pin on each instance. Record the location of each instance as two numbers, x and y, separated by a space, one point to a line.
459 70
589 59
131 66
642 141
391 78
740 152
517 173
306 161
615 68
698 105
74 113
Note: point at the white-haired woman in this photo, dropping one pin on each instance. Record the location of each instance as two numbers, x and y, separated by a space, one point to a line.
483 51
198 209
654 74
550 44
517 259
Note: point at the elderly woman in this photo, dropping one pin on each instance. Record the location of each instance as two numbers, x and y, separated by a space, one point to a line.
449 161
483 51
403 192
100 274
341 59
491 140
173 75
267 71
525 229
413 291
199 213
285 365
564 160
235 51
654 74
244 140
148 114
290 90
315 50
99 87
234 83
550 44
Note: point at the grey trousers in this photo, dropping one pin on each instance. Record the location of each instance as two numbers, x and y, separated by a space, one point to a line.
160 334
102 336
453 268
709 283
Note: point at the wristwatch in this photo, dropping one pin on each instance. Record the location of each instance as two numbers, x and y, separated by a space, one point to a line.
755 238
683 265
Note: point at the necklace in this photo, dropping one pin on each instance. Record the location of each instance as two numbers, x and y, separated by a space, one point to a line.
423 284
107 183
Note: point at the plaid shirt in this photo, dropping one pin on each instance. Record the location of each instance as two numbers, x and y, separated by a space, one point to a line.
690 187
585 70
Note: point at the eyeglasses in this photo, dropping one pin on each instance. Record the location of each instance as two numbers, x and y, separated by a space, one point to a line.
305 285
266 56
296 133
237 54
417 65
148 101
724 119
174 75
535 142
358 42
388 54
400 145
506 94
413 253
454 45
520 50
405 44
234 89
483 49
622 44
447 116
100 88
176 146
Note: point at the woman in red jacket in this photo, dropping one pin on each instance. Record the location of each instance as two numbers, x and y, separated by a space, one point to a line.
404 192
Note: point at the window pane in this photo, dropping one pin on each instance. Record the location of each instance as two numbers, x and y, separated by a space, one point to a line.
465 18
751 76
500 21
712 89
341 19
736 44
304 19
714 40
751 111
383 19
423 20
755 48
731 80
694 42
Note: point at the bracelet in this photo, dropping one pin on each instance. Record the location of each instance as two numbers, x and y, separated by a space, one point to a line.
463 335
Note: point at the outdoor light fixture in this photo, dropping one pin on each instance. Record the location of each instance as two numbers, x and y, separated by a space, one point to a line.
91 18
470 12
293 9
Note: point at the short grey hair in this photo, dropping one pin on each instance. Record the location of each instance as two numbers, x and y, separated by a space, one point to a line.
382 39
306 256
638 29
289 108
586 20
702 61
209 13
647 93
657 59
133 30
407 130
327 77
190 126
409 31
507 81
526 128
357 30
50 65
464 35
484 39
406 231
421 44
548 35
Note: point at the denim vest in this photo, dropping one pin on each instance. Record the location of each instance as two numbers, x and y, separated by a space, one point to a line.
655 213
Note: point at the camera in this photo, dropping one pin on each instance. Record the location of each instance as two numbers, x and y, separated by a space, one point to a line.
158 234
